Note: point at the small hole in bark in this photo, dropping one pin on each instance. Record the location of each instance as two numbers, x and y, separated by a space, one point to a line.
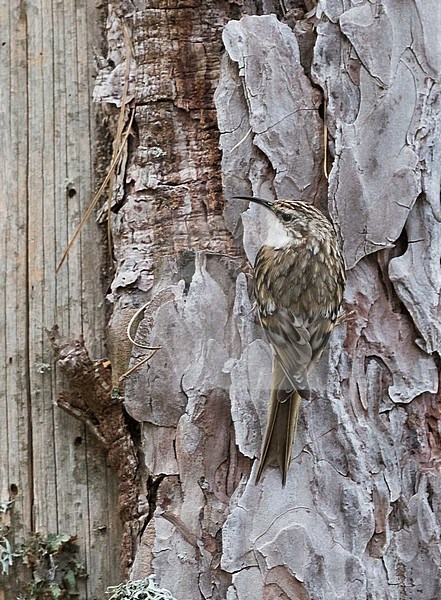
187 267
78 441
13 489
102 529
134 428
401 244
71 192
321 110
430 496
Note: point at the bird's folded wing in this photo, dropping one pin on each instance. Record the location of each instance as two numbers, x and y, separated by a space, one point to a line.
291 342
319 331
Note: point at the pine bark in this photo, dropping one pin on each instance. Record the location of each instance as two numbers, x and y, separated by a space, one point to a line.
359 516
226 98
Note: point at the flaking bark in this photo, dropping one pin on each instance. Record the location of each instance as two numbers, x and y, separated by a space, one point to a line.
90 397
362 495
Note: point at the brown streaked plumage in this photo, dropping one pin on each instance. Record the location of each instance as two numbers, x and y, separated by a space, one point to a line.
299 282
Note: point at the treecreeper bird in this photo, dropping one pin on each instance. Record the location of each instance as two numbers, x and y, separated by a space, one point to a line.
299 281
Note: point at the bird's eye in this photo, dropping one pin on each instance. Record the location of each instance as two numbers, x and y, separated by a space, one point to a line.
287 218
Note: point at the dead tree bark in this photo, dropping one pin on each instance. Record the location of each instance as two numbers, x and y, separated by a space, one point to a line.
359 517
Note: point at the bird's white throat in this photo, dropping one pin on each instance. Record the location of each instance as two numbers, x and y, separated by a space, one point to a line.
278 235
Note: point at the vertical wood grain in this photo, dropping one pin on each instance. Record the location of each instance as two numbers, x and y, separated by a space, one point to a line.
48 137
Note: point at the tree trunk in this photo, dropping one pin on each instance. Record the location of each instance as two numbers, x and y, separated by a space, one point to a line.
358 517
297 91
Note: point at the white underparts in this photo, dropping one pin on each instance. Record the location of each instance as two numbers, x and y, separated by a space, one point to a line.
278 234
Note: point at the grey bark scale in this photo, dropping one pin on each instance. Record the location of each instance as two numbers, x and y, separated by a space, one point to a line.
358 517
350 478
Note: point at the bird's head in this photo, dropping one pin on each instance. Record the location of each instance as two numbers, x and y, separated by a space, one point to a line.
294 219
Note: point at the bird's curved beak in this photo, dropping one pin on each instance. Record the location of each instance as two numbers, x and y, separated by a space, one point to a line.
262 201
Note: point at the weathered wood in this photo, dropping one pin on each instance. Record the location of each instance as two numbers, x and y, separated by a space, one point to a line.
15 475
52 466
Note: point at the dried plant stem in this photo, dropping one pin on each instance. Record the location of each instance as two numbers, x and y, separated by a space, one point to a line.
137 345
119 131
119 144
98 194
140 363
325 141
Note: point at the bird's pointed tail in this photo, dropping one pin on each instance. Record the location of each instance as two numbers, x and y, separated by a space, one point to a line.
281 426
